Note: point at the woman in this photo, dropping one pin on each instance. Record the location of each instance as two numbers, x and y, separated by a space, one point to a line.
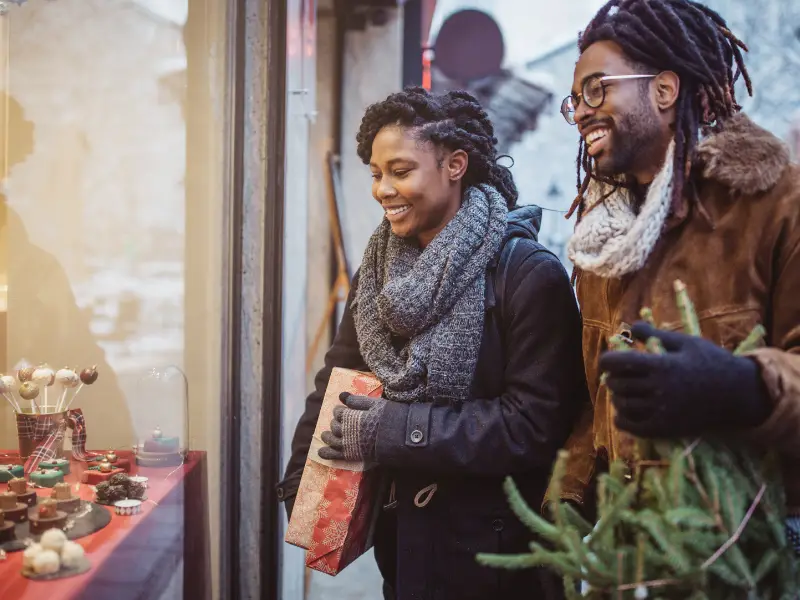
473 329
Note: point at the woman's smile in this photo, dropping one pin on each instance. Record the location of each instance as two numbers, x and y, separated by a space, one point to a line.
397 212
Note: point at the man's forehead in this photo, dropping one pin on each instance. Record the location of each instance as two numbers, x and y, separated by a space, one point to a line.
601 57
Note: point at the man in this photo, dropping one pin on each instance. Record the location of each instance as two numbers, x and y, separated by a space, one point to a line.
680 185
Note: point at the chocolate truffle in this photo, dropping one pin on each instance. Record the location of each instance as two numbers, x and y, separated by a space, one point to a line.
136 490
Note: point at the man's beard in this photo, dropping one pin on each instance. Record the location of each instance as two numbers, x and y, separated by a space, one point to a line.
635 136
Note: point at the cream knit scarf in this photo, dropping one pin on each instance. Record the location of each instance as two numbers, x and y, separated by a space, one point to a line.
612 240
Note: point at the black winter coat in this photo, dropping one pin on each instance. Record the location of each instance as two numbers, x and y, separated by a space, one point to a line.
528 386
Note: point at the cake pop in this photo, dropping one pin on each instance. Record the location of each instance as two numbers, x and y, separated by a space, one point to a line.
10 383
7 388
29 391
68 379
25 375
44 377
88 376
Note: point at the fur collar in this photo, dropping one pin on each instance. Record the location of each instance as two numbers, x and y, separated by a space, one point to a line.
743 156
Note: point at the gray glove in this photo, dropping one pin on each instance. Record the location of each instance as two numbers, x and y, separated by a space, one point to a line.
354 429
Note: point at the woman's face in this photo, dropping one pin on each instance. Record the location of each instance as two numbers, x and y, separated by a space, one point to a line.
417 184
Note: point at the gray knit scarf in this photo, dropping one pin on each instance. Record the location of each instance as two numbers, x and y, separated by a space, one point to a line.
432 298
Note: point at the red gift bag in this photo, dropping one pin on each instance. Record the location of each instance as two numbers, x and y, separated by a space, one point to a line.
336 505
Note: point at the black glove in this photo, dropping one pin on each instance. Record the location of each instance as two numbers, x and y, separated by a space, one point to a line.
694 388
354 429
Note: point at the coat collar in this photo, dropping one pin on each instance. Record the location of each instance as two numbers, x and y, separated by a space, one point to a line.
744 157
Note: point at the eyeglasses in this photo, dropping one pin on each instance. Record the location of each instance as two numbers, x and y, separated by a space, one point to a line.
593 94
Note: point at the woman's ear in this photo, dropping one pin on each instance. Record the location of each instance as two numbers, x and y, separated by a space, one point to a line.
456 164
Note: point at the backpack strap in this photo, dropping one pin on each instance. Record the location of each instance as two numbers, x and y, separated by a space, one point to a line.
501 275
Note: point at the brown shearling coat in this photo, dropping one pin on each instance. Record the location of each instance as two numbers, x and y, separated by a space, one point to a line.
741 264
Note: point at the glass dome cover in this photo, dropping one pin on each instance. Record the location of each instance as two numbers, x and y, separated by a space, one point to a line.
161 417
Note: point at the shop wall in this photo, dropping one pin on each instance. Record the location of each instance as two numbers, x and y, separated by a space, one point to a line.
321 142
300 106
373 69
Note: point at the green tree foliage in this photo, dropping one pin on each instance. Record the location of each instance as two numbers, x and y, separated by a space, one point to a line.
687 519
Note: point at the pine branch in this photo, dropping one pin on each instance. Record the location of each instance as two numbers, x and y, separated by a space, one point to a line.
698 519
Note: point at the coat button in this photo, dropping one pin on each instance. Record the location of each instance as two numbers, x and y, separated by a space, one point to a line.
497 525
416 436
280 493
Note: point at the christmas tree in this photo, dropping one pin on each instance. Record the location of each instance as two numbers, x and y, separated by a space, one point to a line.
689 519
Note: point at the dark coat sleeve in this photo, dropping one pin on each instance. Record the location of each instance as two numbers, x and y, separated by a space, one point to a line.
344 353
545 386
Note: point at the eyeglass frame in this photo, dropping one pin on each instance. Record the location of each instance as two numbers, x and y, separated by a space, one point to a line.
576 99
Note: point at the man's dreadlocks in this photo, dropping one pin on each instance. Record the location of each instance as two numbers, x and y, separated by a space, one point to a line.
453 120
680 36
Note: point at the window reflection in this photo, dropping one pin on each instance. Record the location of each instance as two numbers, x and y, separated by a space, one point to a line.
111 241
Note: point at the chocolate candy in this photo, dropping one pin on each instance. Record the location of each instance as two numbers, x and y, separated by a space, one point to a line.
116 492
119 479
136 490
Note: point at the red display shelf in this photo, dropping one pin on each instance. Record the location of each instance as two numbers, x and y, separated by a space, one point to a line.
133 557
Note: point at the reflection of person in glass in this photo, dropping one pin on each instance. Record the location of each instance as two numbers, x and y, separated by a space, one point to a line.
41 321
472 328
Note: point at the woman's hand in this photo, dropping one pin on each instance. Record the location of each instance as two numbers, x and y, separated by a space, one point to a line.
354 429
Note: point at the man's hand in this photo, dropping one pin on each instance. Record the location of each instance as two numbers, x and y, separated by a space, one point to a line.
693 388
354 429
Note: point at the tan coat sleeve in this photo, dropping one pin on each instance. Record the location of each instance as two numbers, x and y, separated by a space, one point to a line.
581 461
780 363
780 370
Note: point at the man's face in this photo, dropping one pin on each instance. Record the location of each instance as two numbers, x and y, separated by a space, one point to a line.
625 133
